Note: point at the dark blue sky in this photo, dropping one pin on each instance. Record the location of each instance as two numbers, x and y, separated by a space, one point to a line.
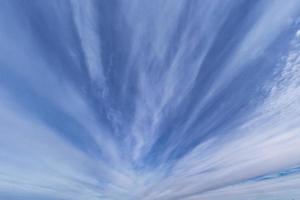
149 100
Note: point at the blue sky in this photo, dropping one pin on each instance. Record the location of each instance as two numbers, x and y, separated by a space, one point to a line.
149 100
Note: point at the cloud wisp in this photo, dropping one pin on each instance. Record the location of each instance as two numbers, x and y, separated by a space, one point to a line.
149 100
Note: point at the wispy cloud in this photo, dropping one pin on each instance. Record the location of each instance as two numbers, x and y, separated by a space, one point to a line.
159 100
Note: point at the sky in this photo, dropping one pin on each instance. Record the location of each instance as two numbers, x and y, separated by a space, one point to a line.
149 100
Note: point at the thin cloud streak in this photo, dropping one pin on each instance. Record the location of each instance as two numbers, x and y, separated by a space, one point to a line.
127 100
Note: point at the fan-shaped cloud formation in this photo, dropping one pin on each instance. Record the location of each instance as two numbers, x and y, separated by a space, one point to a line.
149 100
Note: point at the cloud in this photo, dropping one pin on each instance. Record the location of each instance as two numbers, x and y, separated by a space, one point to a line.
155 101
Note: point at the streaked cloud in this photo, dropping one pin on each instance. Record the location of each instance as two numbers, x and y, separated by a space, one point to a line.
152 100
